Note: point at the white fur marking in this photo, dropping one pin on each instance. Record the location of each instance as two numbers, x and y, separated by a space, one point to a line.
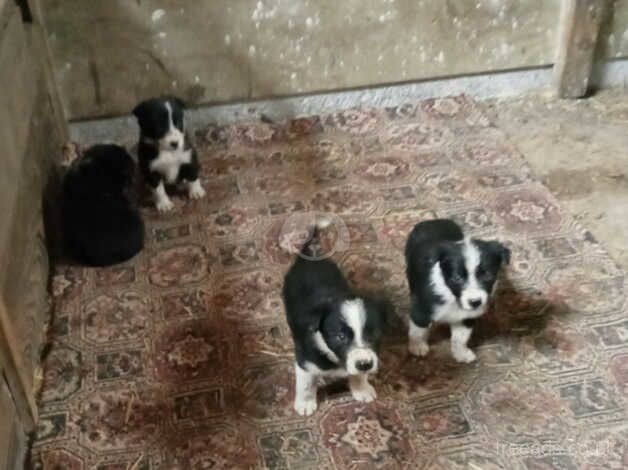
323 223
195 190
354 315
439 285
361 389
173 134
357 355
322 347
417 340
305 391
472 291
162 201
168 163
460 335
449 311
338 373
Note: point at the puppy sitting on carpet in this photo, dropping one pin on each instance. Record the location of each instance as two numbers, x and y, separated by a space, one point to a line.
335 332
100 224
163 155
451 278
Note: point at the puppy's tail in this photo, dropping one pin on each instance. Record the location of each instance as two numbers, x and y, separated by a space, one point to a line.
312 247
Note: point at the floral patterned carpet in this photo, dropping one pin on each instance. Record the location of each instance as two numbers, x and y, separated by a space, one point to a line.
181 358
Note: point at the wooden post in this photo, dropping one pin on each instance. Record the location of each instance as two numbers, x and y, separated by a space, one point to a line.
16 372
577 38
41 48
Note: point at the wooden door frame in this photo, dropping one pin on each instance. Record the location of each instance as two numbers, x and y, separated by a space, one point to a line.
15 372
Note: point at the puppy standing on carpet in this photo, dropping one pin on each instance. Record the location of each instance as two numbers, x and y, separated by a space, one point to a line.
451 279
335 333
162 152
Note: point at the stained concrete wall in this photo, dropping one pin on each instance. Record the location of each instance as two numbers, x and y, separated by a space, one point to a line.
108 54
32 131
614 34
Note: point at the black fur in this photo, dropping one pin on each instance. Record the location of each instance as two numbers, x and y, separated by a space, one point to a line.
439 241
101 226
152 118
313 293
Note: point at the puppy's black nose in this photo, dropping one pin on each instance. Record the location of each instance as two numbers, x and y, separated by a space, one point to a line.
364 366
475 303
174 144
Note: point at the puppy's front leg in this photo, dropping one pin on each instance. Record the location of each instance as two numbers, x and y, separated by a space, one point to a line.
361 389
189 172
162 201
195 190
418 329
460 334
305 392
417 340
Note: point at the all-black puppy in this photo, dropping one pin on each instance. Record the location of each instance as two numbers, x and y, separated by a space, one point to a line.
164 157
451 278
335 332
100 224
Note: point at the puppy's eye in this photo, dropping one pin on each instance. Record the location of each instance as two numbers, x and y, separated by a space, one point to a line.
482 273
341 337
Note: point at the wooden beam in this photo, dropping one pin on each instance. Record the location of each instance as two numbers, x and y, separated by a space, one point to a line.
41 48
16 372
578 31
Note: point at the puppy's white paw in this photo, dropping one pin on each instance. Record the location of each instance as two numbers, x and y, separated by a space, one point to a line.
305 407
463 355
418 348
164 205
364 393
196 191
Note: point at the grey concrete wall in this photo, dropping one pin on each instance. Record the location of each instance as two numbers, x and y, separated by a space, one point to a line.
614 34
108 54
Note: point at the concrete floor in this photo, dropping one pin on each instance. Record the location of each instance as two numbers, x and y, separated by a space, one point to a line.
579 149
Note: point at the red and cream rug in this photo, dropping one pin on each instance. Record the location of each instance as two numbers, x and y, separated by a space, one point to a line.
181 359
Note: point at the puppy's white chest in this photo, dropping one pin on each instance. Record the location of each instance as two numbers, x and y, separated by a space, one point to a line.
338 373
168 163
451 312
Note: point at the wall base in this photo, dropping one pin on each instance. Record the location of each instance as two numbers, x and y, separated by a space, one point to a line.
494 85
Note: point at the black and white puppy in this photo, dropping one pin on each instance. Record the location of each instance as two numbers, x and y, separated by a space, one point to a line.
451 278
101 225
163 155
336 333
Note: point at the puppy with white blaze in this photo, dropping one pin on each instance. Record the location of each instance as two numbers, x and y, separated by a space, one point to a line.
451 278
163 155
336 333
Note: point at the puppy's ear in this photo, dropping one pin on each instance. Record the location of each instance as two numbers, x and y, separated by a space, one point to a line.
140 109
442 254
176 101
381 306
320 311
502 251
506 255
